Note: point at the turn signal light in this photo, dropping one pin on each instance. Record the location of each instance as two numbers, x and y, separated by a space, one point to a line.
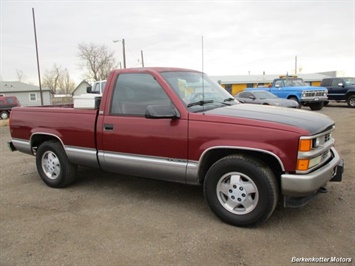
302 164
305 145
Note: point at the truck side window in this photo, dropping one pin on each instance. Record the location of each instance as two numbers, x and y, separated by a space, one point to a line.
278 83
335 82
134 92
96 88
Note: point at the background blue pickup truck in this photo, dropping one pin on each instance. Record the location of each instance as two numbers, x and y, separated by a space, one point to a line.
295 89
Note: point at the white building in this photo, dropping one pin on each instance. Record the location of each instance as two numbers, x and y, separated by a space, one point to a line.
27 94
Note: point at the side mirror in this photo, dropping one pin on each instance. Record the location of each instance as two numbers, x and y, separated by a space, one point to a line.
88 89
252 97
340 84
161 112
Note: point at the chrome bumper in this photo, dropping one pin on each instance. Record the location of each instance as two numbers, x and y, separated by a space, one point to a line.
296 185
314 99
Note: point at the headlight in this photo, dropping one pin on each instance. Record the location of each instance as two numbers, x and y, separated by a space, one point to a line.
313 150
315 143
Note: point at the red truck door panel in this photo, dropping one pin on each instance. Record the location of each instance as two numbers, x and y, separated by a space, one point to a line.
131 142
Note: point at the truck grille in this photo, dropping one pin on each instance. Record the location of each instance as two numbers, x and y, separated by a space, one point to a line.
327 137
314 93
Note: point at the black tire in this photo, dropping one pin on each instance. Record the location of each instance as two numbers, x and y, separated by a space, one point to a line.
296 100
241 191
4 115
53 165
316 106
351 101
326 103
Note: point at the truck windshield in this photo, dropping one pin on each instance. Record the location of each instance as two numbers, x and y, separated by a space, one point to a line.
198 91
294 82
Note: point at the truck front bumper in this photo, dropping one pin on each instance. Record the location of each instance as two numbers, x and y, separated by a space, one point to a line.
313 99
296 185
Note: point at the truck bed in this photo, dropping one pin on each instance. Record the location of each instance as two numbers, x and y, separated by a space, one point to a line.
75 127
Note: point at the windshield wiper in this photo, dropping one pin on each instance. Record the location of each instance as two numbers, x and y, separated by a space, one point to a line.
199 103
228 99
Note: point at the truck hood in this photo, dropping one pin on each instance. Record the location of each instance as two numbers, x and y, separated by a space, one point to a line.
312 122
304 88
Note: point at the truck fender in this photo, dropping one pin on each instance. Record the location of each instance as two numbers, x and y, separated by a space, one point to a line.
38 137
213 154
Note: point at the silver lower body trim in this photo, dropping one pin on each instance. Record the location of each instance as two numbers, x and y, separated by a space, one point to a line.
22 146
167 169
82 156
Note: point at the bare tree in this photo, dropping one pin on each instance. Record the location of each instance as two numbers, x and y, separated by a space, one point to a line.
51 78
58 80
98 60
67 85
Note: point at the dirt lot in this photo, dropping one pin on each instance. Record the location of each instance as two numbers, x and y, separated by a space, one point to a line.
116 220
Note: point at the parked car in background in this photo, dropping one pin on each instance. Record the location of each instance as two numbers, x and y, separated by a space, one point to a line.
341 89
293 88
6 104
97 87
265 98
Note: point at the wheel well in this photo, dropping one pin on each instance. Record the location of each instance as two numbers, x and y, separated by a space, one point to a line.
349 95
213 156
38 139
292 97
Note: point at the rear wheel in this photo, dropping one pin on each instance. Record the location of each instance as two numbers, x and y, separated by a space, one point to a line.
241 191
53 165
351 101
4 115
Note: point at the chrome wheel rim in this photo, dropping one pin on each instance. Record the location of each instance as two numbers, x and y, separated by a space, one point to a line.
50 165
352 102
4 115
237 193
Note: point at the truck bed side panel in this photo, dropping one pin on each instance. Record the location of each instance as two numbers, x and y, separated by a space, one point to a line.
73 127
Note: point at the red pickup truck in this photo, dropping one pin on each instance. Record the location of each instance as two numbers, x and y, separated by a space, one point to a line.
178 125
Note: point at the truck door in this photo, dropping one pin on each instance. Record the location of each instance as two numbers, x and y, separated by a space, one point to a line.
135 145
278 90
337 92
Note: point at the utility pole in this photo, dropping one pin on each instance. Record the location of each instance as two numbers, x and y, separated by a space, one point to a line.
142 58
296 65
123 51
39 72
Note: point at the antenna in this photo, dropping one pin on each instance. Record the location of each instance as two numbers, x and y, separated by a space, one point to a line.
203 80
202 52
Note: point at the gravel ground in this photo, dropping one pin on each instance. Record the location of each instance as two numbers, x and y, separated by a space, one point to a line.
105 219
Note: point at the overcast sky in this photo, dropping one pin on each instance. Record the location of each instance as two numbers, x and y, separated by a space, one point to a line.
239 37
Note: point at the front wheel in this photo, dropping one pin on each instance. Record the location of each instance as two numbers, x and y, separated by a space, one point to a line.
351 101
316 106
53 165
296 100
241 191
